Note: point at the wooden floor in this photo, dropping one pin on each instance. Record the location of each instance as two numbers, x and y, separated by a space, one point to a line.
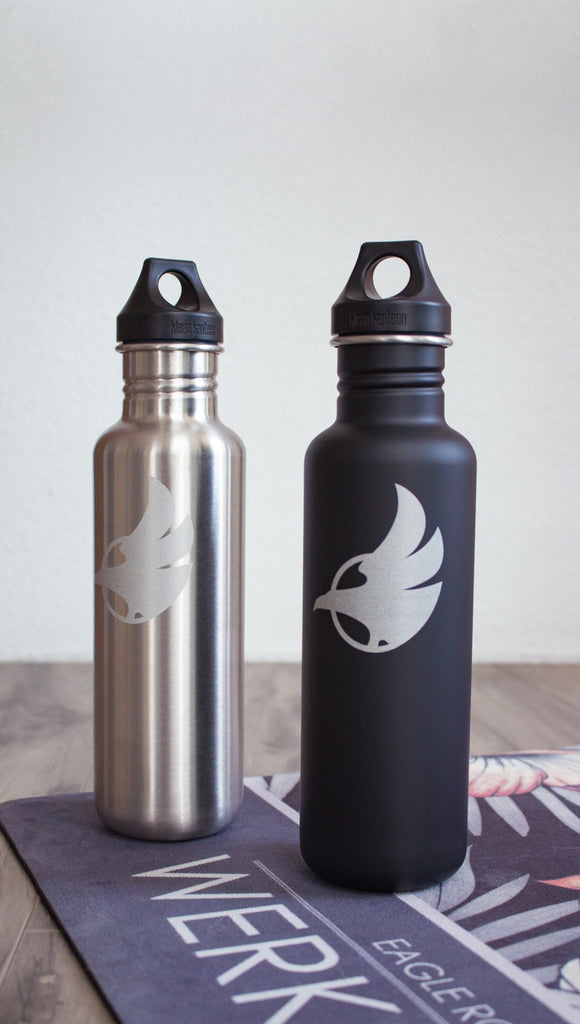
46 747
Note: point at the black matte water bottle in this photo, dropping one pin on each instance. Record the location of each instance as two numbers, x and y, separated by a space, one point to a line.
388 583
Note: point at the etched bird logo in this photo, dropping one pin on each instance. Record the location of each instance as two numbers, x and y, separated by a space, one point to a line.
147 578
392 604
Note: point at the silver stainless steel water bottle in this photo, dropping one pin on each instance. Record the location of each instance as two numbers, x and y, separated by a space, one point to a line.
169 480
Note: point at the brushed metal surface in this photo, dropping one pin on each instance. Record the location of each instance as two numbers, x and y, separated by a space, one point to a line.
168 690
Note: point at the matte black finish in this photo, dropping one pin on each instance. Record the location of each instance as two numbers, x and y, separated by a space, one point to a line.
385 718
148 316
419 308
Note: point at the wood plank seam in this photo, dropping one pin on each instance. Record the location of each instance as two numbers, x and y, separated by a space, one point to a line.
14 952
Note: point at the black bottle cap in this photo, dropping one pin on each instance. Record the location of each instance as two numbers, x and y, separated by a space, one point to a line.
419 308
147 316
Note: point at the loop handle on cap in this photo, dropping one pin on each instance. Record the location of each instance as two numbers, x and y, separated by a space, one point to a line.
148 316
419 308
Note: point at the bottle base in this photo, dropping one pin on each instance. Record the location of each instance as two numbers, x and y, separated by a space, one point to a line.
383 878
167 831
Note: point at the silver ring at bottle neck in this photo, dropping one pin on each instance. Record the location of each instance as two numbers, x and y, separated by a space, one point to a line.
442 340
168 346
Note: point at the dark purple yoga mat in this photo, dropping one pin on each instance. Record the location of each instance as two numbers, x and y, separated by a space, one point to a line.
236 928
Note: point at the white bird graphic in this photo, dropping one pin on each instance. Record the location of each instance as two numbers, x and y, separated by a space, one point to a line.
147 579
392 604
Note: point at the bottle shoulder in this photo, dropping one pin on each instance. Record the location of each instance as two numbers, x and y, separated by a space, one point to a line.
234 440
345 440
461 443
133 435
110 435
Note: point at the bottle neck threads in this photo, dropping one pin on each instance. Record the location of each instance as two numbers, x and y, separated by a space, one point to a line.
384 380
169 381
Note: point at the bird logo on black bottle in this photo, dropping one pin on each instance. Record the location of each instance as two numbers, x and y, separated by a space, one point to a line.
392 604
140 568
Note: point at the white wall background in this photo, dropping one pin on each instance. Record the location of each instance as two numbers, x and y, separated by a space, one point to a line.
266 139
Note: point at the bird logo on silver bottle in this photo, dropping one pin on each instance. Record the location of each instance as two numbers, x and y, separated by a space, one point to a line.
392 604
140 568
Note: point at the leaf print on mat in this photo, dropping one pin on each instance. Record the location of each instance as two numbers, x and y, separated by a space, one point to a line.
510 812
490 900
453 890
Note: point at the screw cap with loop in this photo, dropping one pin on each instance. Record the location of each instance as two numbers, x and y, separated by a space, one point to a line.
148 316
419 308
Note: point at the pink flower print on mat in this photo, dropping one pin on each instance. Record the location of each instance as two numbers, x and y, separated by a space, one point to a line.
570 882
523 772
551 776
